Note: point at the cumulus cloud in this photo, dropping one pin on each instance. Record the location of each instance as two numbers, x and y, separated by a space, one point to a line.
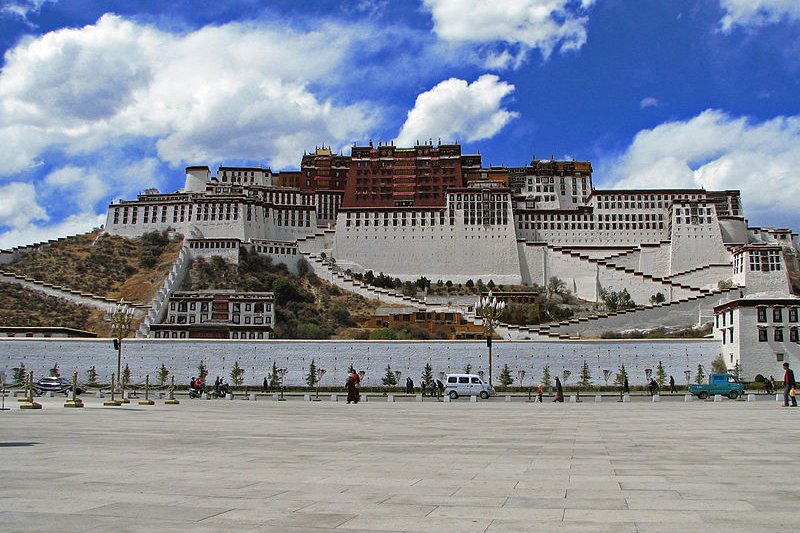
717 151
22 9
19 206
238 91
29 234
509 29
454 109
757 12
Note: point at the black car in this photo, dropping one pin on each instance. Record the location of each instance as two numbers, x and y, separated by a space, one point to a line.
54 384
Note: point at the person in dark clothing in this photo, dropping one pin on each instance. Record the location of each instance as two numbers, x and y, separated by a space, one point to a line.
409 386
265 386
352 390
559 391
788 384
768 386
653 387
672 388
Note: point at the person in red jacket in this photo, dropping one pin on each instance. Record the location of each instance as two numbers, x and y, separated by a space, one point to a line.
788 384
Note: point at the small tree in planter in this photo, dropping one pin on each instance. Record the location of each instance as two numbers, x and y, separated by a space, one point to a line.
718 365
91 377
505 377
586 375
126 375
273 377
162 375
55 372
700 375
237 374
468 369
390 380
546 379
427 374
312 378
19 375
622 375
202 372
661 375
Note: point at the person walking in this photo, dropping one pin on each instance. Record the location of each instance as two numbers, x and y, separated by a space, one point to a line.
539 392
409 386
559 391
789 385
350 385
672 388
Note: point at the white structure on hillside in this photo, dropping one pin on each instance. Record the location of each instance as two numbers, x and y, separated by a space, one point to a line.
431 211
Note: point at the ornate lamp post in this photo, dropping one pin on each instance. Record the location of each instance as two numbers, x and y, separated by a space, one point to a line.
688 374
281 374
121 318
489 310
606 375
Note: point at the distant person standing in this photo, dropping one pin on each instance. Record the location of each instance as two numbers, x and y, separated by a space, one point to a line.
559 391
539 392
672 388
789 385
265 386
352 390
409 386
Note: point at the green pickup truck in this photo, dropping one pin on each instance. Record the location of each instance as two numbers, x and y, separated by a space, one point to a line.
724 384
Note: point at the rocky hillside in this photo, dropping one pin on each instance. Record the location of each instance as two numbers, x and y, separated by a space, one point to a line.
23 307
115 267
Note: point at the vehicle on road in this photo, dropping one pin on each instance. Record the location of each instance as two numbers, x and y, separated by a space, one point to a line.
467 385
54 384
723 384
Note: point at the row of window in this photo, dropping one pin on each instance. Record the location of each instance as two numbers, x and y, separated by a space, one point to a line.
235 319
777 314
233 335
591 226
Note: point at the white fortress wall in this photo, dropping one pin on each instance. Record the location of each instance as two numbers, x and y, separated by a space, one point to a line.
707 277
639 287
455 252
630 260
579 275
654 259
696 239
533 263
733 230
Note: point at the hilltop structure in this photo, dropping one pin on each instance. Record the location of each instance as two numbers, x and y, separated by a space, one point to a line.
431 211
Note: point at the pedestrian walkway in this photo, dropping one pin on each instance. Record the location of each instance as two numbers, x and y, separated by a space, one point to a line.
408 466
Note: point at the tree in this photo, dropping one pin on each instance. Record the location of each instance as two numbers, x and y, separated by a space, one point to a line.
468 369
427 373
273 377
737 370
162 374
586 375
661 374
470 284
505 377
621 376
202 372
19 375
546 376
490 285
658 298
312 378
390 380
718 365
555 287
126 375
237 374
91 377
700 375
617 301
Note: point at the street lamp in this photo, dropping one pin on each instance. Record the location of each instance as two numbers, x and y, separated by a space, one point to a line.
688 374
121 318
489 310
281 374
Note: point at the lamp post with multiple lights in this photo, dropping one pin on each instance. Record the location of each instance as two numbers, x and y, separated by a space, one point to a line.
121 318
489 309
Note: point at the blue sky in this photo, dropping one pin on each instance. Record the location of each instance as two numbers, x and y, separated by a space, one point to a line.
101 100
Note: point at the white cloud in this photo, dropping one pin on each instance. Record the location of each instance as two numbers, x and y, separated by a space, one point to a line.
238 91
19 206
454 110
29 234
22 8
649 101
757 12
522 25
716 151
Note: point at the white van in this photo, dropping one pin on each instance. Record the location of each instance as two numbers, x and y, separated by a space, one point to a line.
467 385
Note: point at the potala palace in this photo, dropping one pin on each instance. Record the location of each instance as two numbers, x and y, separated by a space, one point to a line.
431 211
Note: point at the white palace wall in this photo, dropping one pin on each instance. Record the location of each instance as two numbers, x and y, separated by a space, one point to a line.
655 260
448 252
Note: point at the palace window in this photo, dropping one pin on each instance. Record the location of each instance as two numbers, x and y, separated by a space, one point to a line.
762 335
762 314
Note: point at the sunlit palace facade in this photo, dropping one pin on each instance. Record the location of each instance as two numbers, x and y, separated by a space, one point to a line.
430 210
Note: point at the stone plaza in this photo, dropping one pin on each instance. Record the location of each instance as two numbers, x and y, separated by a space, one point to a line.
486 466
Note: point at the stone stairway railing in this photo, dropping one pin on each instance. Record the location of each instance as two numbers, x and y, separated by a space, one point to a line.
158 306
561 329
7 256
65 293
